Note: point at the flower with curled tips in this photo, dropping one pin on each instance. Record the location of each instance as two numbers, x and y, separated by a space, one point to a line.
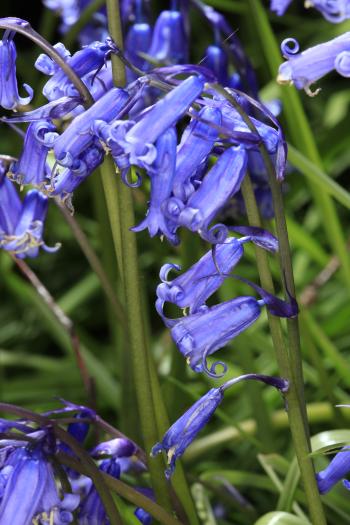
305 68
181 434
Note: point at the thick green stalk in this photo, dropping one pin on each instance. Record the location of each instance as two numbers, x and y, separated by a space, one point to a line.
302 137
287 368
126 249
295 396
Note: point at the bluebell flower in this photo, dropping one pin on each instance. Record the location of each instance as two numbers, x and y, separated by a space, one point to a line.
9 97
181 434
197 142
63 183
78 135
31 166
221 182
138 142
83 62
233 121
337 469
279 6
137 42
169 41
216 59
29 487
161 173
198 283
22 223
305 68
334 11
117 447
201 334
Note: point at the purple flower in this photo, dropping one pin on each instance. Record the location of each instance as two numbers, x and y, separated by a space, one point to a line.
117 447
201 334
169 41
198 283
196 144
65 182
221 182
305 68
83 62
279 6
78 135
181 434
337 469
161 173
138 40
29 490
31 166
233 121
9 97
334 11
138 142
22 223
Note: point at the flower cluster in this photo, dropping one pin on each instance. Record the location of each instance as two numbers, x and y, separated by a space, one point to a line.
34 490
194 135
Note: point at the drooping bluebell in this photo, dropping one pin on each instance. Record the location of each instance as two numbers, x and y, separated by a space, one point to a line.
83 62
197 141
202 279
305 68
181 434
161 173
78 135
138 142
169 40
63 183
201 334
221 182
22 223
9 96
31 166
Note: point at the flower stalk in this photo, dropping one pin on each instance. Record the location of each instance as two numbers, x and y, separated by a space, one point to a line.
290 363
123 213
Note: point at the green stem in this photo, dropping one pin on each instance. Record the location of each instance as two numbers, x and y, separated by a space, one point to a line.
125 247
292 366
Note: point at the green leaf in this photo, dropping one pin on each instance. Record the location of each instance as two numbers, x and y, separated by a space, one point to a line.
329 439
317 176
281 518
